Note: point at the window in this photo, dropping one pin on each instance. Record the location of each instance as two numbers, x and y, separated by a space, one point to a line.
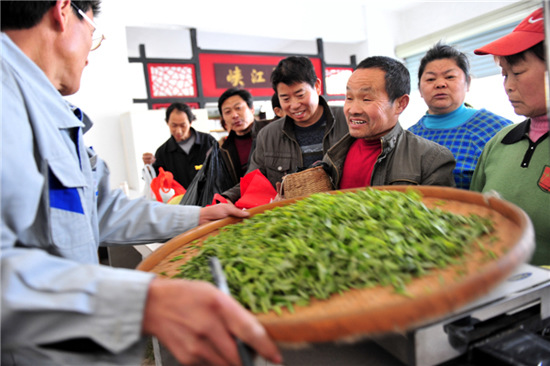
486 90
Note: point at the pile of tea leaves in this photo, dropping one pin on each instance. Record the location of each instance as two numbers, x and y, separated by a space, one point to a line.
329 243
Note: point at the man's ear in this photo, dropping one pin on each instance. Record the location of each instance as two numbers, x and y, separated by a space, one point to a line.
61 12
318 86
401 103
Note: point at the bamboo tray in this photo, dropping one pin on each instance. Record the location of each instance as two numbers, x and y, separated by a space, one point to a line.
359 313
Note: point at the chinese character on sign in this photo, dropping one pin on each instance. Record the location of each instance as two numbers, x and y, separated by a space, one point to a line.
235 77
257 76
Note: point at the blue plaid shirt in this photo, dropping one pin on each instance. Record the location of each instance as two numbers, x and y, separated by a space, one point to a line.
466 141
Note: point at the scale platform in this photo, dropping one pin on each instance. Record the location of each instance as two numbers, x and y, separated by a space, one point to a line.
519 304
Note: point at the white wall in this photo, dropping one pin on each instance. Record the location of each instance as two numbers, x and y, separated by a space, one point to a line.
145 131
110 83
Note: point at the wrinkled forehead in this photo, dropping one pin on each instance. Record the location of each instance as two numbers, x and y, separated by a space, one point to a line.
367 79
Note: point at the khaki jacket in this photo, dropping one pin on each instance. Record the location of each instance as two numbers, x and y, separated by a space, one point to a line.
406 159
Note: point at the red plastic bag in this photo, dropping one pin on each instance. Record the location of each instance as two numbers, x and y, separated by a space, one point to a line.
256 190
218 198
165 187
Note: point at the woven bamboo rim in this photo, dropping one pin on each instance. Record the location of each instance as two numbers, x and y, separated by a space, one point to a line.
365 312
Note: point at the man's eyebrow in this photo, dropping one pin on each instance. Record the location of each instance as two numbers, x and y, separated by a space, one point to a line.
363 89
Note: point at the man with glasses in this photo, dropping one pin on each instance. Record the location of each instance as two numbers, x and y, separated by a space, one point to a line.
97 37
59 307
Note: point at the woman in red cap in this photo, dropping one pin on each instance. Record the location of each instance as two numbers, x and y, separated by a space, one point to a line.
516 162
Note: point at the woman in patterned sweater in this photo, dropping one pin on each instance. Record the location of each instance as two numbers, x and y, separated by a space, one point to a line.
443 80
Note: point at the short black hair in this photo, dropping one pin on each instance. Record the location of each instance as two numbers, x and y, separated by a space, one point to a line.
243 93
443 51
397 78
292 70
538 50
26 14
182 107
275 103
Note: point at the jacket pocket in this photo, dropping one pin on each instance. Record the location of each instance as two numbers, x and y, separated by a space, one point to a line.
278 165
69 223
403 182
403 179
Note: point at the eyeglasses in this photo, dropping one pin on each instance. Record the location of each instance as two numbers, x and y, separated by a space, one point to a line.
97 36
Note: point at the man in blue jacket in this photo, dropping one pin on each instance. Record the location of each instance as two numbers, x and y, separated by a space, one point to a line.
59 307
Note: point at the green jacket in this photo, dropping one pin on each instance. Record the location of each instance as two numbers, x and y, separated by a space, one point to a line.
519 171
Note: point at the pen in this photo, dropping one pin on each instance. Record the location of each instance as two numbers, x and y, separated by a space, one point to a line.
219 278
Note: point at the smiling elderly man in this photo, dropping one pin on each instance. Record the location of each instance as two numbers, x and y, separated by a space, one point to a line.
377 151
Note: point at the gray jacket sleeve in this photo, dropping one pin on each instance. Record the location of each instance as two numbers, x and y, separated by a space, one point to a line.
138 221
438 168
48 300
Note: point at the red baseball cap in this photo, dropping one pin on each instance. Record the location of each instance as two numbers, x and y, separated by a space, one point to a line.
527 34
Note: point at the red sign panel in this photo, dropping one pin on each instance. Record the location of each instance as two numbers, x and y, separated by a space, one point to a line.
172 80
222 71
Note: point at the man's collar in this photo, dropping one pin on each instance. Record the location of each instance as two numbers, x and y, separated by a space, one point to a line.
174 145
393 132
82 117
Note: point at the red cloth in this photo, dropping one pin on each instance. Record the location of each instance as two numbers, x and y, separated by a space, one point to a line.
218 198
256 190
359 163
